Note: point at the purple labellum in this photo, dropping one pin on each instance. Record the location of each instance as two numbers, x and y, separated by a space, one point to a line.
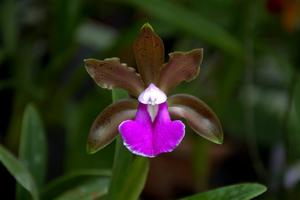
145 137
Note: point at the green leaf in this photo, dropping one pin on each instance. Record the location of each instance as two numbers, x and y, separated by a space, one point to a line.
33 148
33 144
243 191
19 172
128 176
71 180
90 190
190 22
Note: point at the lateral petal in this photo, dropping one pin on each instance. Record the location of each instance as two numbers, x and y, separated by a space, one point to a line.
149 54
182 66
105 127
110 73
198 115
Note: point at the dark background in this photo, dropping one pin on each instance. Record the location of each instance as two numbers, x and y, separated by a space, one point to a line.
249 76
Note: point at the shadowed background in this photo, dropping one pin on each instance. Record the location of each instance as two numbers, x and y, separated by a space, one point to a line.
249 76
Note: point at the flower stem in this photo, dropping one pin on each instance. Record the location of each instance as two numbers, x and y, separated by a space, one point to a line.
129 172
122 157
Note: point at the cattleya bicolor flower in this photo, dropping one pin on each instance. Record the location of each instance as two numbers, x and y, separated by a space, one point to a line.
144 120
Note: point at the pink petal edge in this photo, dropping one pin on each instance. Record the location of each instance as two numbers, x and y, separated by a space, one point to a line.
149 139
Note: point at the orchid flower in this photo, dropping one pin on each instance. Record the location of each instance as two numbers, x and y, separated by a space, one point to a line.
145 120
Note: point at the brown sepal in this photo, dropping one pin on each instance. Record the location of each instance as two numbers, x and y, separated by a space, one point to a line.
149 54
105 127
198 115
182 66
110 73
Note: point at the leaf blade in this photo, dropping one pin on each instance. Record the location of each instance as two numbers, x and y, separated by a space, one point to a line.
71 180
243 191
92 189
33 144
33 148
19 172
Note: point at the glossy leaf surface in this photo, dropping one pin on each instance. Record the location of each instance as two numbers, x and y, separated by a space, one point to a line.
33 148
198 115
71 180
19 172
92 189
244 191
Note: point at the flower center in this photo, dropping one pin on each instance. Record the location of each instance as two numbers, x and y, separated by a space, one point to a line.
152 96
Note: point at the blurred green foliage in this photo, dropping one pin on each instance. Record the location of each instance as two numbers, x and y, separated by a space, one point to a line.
249 76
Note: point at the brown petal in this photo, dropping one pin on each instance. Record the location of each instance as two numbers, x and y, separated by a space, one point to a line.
182 66
149 54
105 127
198 115
110 73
